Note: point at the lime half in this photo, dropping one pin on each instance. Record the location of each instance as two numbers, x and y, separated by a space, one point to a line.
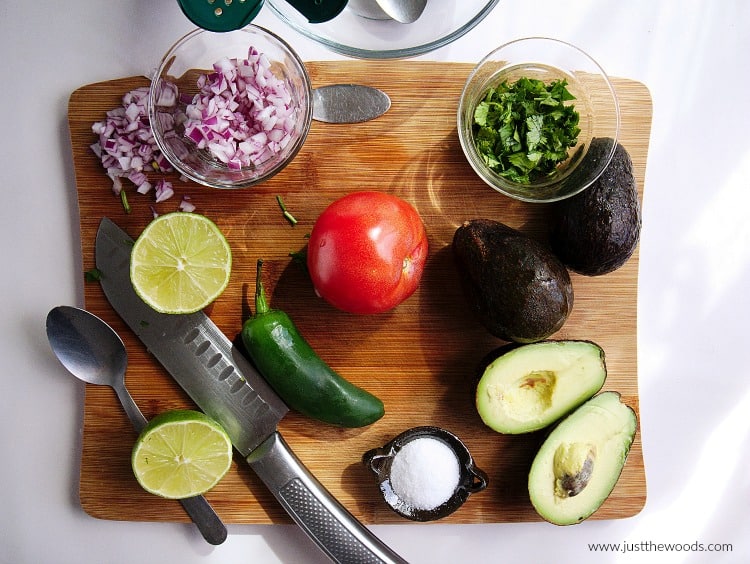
180 263
180 454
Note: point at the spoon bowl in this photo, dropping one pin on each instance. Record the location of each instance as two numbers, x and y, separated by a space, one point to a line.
403 11
93 352
87 346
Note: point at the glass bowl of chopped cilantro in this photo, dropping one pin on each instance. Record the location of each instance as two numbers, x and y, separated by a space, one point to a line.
538 119
230 109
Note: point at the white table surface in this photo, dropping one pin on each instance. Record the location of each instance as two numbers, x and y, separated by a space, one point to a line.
693 306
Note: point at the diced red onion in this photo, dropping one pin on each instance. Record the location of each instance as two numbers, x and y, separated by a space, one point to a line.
168 95
126 145
186 205
116 185
242 114
164 190
144 187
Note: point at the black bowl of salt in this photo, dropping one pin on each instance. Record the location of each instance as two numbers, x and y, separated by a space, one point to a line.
425 473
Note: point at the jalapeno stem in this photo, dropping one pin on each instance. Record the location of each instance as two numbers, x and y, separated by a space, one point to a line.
261 305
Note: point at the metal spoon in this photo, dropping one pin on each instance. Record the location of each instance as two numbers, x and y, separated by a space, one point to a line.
91 350
403 11
348 103
369 9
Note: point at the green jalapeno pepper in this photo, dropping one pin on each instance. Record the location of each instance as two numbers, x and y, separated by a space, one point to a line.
295 371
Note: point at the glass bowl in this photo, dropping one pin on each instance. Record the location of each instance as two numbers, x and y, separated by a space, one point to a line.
195 55
468 479
441 23
595 100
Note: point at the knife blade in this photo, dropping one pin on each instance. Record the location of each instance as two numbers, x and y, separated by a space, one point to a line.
227 387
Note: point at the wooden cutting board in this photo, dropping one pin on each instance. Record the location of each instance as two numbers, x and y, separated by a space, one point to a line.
419 359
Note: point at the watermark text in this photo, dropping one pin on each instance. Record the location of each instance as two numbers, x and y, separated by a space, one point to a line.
650 546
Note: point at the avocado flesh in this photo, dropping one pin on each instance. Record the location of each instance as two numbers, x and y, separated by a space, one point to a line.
528 387
579 463
596 231
518 289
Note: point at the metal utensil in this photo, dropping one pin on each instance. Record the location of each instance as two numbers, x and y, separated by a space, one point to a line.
369 9
226 386
226 15
403 11
348 103
91 350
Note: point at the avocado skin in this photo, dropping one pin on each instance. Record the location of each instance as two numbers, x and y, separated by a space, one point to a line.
596 231
519 290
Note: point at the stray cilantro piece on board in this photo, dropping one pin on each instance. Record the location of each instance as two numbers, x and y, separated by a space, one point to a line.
93 275
524 130
289 217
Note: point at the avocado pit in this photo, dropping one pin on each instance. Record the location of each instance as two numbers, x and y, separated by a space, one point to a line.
573 466
580 461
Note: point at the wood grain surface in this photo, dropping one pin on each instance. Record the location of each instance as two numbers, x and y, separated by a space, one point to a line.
419 359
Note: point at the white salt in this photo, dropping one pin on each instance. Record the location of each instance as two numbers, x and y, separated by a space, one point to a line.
425 473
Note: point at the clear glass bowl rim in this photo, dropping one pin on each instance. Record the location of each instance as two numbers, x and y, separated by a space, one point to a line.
465 142
404 52
307 109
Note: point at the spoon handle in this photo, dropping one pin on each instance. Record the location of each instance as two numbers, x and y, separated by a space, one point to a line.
200 511
205 518
134 413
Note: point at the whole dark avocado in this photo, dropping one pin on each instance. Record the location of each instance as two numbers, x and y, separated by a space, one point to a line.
519 290
596 231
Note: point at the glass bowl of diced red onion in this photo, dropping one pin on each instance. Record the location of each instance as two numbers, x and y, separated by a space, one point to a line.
230 110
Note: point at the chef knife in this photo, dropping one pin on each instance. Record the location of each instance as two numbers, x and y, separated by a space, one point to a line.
227 387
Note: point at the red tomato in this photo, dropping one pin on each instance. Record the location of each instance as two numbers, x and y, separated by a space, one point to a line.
367 252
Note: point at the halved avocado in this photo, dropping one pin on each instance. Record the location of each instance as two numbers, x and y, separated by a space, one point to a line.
528 387
581 460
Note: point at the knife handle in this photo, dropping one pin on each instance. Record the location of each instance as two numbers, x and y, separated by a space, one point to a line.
336 531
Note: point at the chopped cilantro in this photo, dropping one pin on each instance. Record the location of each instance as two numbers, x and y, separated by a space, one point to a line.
300 257
93 275
289 217
523 130
124 200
